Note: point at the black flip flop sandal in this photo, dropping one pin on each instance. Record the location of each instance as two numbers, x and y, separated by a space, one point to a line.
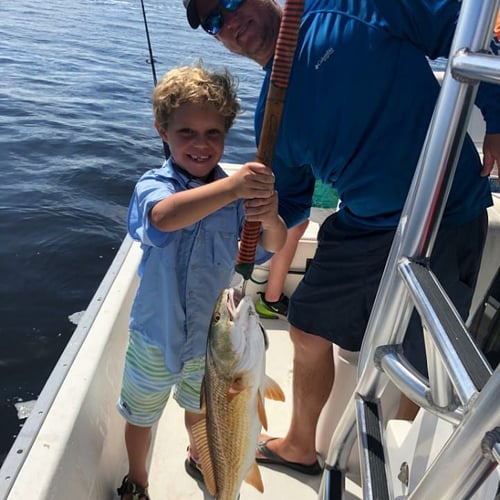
271 458
137 491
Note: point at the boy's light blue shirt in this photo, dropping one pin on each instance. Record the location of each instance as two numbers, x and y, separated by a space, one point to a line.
181 272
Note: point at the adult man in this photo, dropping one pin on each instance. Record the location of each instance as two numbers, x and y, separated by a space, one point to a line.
359 101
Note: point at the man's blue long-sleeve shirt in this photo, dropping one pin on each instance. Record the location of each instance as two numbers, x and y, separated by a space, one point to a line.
358 106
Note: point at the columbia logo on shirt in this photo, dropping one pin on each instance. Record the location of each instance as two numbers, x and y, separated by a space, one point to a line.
324 58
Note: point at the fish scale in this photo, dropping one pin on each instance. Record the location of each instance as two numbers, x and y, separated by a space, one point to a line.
228 423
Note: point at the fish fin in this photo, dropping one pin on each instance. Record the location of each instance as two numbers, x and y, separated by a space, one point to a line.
254 478
199 430
261 411
272 390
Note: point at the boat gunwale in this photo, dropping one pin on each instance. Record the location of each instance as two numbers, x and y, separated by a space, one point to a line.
28 434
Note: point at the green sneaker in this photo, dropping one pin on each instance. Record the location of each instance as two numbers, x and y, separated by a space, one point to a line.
271 310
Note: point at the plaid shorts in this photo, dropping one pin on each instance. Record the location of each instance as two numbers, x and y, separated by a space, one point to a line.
147 384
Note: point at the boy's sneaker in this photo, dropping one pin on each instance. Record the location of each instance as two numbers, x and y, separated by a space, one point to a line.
271 310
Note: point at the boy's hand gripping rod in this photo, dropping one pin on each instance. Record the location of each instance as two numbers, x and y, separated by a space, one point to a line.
280 73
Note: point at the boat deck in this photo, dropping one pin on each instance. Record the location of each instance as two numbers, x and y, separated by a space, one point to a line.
168 478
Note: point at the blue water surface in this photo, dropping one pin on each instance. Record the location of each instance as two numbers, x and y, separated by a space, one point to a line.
76 132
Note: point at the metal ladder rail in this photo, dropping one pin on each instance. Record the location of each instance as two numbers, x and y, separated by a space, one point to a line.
472 447
415 237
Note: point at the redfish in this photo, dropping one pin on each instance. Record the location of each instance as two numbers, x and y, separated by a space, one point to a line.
235 385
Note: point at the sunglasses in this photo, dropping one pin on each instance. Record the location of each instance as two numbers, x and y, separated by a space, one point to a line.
214 21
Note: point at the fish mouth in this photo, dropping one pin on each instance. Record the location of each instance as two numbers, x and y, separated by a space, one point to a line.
233 300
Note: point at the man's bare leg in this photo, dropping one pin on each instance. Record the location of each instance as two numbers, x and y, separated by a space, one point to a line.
313 374
279 265
407 409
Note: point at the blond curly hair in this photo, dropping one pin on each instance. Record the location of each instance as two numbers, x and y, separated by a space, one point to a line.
195 84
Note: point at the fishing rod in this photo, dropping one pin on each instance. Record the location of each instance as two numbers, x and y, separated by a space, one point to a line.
280 74
166 149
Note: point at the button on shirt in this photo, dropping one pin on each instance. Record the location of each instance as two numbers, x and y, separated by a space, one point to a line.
181 272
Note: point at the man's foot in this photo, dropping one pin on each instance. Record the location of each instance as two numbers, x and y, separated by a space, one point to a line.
271 310
266 456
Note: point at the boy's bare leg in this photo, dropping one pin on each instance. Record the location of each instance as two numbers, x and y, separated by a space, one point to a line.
313 374
138 441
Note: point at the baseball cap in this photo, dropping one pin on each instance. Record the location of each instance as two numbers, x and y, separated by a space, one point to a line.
192 13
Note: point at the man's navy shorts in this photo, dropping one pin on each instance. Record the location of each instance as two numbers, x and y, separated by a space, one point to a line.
335 297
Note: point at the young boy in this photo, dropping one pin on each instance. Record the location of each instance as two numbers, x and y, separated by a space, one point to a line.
188 216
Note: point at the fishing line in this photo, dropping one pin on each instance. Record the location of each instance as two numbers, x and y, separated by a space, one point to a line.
166 149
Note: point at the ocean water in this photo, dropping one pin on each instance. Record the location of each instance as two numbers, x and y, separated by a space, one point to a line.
76 132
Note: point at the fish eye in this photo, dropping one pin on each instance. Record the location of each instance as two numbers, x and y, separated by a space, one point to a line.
217 317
